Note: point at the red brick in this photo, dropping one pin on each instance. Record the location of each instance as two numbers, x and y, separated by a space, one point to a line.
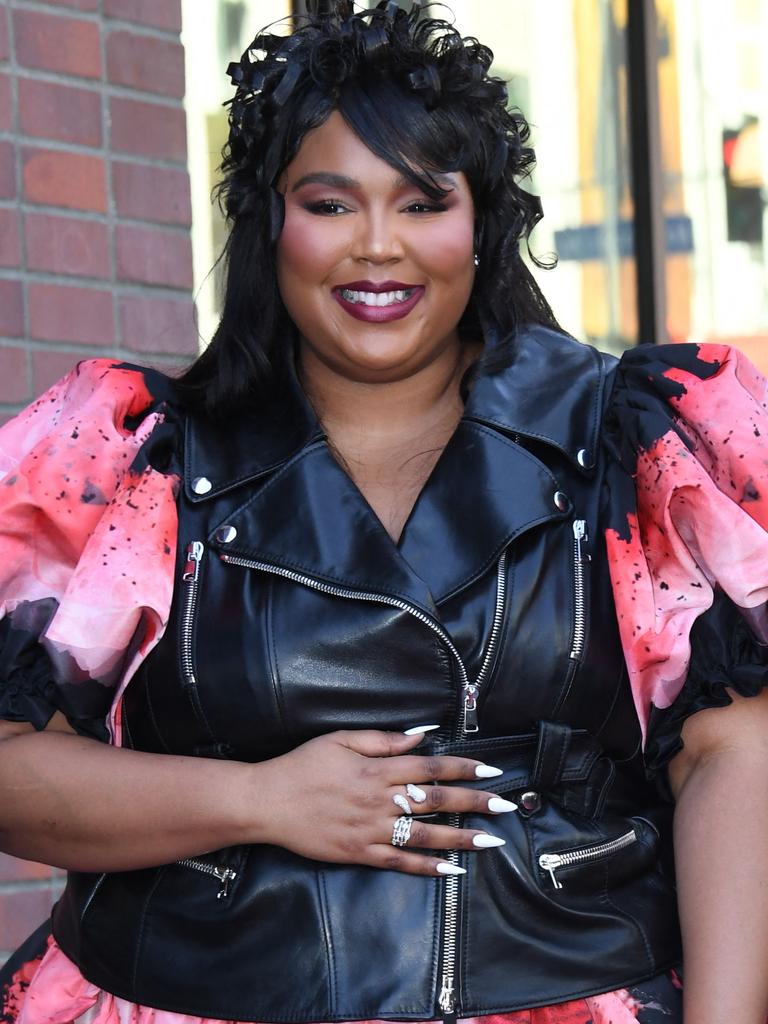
72 180
13 385
22 912
148 129
157 13
78 5
61 112
158 325
7 170
67 245
154 256
48 41
78 315
48 367
11 325
10 239
13 870
6 112
5 49
152 193
141 62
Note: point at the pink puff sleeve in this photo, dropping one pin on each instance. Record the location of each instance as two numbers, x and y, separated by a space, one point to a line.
688 545
87 543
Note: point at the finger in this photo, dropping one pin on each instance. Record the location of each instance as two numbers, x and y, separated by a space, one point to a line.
389 858
444 837
377 742
447 800
438 767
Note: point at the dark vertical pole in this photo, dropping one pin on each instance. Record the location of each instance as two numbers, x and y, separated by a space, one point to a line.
647 170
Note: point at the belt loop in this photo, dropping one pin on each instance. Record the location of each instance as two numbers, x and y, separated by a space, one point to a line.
551 754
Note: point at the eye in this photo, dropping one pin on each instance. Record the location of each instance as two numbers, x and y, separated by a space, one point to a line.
425 206
327 207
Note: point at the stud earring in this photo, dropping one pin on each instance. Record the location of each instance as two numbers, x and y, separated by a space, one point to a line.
476 260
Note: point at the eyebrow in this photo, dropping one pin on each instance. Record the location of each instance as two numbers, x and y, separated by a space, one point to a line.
342 181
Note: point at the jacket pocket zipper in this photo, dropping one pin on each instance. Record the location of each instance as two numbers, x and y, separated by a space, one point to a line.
191 578
226 876
551 862
580 562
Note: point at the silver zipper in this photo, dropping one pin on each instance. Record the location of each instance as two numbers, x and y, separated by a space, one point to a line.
191 578
551 862
467 723
226 876
580 561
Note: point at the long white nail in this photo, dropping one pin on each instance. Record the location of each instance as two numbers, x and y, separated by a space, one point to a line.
444 868
417 730
497 805
484 841
415 793
487 771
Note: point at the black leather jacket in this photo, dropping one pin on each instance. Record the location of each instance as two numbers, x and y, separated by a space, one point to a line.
295 615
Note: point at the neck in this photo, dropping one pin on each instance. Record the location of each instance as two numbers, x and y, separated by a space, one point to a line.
360 416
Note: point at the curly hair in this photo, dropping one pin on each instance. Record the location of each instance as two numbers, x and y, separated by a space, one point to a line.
420 96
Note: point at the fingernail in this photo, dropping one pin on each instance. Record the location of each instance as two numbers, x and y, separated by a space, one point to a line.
497 805
444 868
486 771
417 730
484 841
415 793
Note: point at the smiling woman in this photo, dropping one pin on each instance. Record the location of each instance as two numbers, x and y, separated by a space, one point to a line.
392 503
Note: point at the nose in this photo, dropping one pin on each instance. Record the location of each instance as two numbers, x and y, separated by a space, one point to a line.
377 239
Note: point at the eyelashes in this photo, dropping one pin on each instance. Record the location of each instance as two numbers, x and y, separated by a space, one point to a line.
335 207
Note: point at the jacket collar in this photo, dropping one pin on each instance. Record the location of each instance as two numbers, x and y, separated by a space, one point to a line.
309 518
552 392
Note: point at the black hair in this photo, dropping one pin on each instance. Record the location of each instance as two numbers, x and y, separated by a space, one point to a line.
419 95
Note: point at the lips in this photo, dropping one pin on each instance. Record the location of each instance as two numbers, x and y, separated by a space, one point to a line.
378 301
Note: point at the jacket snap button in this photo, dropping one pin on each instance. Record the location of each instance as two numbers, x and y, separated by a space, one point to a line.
582 457
226 534
201 485
530 801
561 501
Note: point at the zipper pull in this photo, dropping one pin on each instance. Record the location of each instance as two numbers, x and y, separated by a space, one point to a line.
549 862
446 1001
226 876
470 708
580 537
194 557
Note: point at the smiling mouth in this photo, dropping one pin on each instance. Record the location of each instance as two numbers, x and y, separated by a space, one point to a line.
376 298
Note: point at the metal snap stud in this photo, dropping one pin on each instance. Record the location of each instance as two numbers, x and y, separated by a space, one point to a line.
225 534
530 801
561 501
201 485
582 457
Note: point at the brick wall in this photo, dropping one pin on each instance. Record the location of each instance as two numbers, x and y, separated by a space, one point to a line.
95 254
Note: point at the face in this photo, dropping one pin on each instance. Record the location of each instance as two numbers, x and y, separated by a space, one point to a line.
374 273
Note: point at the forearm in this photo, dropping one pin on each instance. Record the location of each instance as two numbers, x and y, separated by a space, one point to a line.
721 852
82 805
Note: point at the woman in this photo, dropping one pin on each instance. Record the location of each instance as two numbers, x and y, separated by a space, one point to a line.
355 600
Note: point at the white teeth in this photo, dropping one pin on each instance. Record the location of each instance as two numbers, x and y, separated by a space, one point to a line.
377 298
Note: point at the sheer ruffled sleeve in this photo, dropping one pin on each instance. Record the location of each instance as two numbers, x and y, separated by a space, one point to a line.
87 542
688 540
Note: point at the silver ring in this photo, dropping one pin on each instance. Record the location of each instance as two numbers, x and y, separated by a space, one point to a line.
402 803
401 830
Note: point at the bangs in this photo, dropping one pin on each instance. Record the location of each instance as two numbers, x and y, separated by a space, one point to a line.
397 127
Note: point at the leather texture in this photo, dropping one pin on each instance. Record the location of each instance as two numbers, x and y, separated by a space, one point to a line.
306 618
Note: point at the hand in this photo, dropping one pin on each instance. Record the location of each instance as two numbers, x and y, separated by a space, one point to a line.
331 799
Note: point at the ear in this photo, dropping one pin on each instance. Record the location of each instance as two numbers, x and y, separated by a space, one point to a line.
276 214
